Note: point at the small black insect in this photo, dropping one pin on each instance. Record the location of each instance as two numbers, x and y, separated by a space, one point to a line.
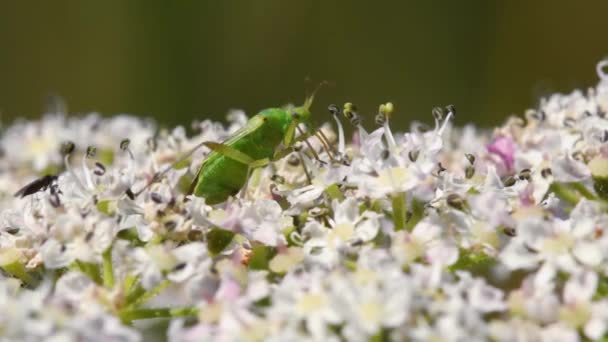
40 184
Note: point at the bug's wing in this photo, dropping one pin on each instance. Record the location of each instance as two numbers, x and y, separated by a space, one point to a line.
251 125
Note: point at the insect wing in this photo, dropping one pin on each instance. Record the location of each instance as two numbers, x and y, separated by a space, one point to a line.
33 187
251 125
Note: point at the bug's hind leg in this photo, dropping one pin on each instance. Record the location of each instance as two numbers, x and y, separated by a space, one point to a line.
250 168
241 157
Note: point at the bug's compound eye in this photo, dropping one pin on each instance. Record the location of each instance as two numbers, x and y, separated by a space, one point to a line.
296 115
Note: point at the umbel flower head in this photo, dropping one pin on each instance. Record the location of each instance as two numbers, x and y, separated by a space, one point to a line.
440 233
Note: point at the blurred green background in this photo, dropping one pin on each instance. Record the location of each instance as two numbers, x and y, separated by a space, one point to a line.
183 60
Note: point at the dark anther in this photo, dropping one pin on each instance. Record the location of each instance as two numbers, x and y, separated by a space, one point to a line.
525 174
67 147
100 170
91 151
334 109
11 230
156 198
124 144
438 113
195 235
470 158
451 109
293 160
546 172
413 155
509 231
455 201
179 266
510 181
469 172
170 224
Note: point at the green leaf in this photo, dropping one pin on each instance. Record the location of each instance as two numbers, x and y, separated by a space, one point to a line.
131 235
260 257
92 270
218 239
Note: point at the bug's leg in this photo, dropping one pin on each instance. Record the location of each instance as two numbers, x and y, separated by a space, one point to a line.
230 152
250 168
312 150
325 143
241 157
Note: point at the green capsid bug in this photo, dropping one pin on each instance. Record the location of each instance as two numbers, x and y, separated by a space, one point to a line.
267 136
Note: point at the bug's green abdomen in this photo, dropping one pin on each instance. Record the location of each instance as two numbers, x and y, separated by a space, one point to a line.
221 176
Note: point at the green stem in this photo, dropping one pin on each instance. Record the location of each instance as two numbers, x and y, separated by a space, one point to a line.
90 269
564 193
146 295
133 294
108 271
129 282
582 189
143 313
399 210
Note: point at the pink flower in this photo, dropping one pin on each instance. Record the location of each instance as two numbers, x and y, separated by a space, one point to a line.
504 147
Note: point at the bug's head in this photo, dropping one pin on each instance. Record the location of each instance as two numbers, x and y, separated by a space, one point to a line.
302 114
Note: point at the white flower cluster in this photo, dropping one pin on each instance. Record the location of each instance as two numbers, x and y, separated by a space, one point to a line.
436 234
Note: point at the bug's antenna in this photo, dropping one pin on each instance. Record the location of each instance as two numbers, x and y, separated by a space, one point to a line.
310 98
301 156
